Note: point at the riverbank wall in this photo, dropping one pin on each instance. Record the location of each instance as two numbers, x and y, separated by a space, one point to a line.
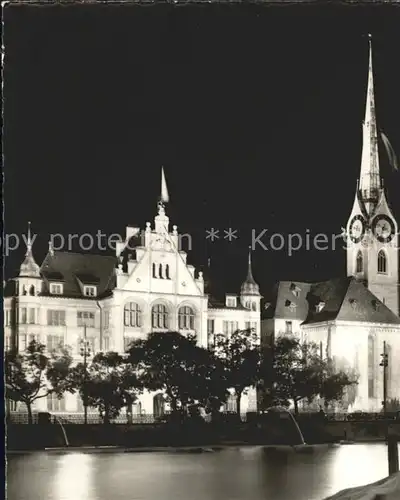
41 436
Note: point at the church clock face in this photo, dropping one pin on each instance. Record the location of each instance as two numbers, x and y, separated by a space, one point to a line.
357 228
383 228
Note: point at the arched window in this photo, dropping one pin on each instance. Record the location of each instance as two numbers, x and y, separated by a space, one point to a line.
167 272
371 367
382 262
160 271
132 315
154 271
186 318
359 263
32 290
23 290
159 316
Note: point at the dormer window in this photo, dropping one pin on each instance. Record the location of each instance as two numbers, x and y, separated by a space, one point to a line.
231 302
295 289
267 305
89 291
375 305
353 303
56 288
320 305
291 305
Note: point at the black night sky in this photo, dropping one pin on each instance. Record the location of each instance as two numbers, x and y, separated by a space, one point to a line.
255 113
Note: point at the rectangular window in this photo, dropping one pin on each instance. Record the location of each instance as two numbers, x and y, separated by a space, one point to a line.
210 326
85 318
23 316
89 291
31 316
7 342
54 342
56 288
23 339
106 320
106 344
127 342
231 301
54 403
229 327
55 318
7 317
289 327
251 325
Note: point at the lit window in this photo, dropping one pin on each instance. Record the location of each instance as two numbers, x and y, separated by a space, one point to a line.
230 327
85 318
251 325
31 316
159 316
23 316
56 318
382 262
56 288
231 301
7 319
132 315
186 318
106 344
7 342
89 291
54 342
106 320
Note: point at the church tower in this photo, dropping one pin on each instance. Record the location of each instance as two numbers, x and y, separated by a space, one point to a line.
372 254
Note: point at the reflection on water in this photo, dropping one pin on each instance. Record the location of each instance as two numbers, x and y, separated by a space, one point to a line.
232 474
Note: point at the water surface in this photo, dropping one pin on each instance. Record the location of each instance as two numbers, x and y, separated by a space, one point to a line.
247 473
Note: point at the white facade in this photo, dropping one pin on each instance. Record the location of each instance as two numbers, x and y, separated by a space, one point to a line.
111 301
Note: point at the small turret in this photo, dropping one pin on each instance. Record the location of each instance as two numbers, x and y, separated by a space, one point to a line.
29 268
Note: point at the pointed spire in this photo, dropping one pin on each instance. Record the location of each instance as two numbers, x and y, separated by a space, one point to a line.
249 286
369 176
164 198
29 266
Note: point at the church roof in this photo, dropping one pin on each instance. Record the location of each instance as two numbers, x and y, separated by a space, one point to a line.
69 267
288 300
347 299
343 299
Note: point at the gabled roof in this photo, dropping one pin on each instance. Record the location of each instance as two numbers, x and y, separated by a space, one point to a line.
88 268
347 299
288 300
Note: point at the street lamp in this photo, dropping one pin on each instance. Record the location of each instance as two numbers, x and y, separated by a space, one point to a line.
85 352
384 363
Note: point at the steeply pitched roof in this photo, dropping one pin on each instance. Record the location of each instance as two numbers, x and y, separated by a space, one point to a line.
288 300
347 299
88 268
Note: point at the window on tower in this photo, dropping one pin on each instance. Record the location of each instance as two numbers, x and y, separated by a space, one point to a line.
382 262
359 262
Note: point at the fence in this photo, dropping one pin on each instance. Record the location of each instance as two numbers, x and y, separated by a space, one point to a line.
19 417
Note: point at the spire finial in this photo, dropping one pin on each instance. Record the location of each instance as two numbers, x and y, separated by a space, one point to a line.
29 239
249 271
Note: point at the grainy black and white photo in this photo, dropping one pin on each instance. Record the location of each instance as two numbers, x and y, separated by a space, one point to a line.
201 278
